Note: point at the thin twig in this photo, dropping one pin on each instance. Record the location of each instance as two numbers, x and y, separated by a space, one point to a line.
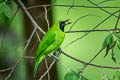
46 17
48 69
42 14
67 5
117 21
3 70
97 30
28 57
81 17
104 1
70 7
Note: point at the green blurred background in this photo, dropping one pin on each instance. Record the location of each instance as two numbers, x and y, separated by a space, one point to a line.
84 49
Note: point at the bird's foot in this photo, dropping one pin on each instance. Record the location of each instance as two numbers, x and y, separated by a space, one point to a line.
54 57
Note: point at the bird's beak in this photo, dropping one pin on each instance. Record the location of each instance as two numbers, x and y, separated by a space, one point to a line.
68 21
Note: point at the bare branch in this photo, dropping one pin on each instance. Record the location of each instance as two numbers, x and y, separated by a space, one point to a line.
46 17
3 70
48 69
65 5
97 30
87 63
117 20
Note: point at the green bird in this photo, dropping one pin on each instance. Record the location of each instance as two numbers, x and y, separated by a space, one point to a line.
51 41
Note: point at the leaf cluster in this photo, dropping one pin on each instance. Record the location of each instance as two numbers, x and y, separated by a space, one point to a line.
112 42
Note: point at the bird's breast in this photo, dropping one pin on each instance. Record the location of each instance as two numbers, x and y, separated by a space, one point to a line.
59 37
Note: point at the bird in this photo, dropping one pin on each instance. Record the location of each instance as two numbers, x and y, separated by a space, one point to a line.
51 41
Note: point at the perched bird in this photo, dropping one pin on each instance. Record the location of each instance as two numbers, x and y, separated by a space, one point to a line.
51 41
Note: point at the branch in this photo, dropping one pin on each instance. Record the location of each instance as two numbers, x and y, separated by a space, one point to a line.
87 63
3 70
46 17
117 20
48 69
66 5
97 30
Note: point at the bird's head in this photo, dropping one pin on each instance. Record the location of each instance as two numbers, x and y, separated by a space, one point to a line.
64 23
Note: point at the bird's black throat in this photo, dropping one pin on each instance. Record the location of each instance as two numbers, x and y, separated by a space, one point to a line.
62 25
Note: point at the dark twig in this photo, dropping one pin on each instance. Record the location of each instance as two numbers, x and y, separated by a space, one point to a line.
70 7
66 5
104 1
87 63
97 30
48 69
117 21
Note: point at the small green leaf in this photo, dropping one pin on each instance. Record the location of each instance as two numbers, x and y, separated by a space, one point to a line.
107 41
72 75
117 75
6 10
117 35
117 53
83 78
113 58
105 77
1 7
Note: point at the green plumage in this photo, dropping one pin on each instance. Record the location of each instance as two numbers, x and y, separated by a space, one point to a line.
50 42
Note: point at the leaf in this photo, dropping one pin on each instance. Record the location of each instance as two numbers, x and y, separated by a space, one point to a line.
113 58
107 50
107 41
105 77
6 10
83 78
117 35
117 75
117 53
72 75
107 44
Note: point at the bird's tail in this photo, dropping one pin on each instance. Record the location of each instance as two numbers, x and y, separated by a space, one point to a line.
37 64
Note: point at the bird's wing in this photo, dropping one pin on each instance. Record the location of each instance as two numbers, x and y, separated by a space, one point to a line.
47 40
